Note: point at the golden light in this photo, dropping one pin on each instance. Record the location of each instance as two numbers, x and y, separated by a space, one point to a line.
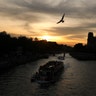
46 38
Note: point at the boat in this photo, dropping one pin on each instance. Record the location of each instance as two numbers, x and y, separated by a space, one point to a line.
49 73
61 57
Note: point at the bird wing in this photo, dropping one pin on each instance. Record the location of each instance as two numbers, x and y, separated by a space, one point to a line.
59 21
63 16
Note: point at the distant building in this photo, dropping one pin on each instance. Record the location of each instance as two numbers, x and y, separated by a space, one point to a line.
91 41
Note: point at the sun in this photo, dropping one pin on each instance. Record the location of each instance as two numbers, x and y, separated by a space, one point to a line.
46 38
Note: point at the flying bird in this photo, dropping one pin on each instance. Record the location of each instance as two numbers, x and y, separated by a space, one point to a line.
61 20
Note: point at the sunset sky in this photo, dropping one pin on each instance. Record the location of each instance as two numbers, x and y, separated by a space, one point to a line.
38 18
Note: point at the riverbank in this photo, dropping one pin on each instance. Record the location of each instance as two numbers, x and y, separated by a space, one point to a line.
83 56
11 61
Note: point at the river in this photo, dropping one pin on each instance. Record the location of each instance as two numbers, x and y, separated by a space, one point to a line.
78 79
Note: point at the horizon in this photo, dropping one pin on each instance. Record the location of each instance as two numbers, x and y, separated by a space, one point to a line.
45 38
33 18
48 40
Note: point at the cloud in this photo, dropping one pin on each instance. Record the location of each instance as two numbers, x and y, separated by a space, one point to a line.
36 11
73 8
59 31
76 36
75 32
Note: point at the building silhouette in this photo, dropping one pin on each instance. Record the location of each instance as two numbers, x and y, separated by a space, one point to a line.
91 40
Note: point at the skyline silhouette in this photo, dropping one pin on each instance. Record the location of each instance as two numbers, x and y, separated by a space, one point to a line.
16 51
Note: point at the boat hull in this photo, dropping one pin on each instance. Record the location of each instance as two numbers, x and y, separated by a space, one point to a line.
49 73
54 79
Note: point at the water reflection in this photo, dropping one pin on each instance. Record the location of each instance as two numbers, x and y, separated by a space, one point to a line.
78 79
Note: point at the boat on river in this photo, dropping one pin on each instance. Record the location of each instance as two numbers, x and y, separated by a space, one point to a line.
48 73
61 57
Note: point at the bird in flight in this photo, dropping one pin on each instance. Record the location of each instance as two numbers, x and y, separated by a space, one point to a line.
61 20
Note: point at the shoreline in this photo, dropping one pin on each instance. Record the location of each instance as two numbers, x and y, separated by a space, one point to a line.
83 55
13 61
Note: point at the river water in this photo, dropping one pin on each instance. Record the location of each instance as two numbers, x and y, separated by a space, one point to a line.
78 79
